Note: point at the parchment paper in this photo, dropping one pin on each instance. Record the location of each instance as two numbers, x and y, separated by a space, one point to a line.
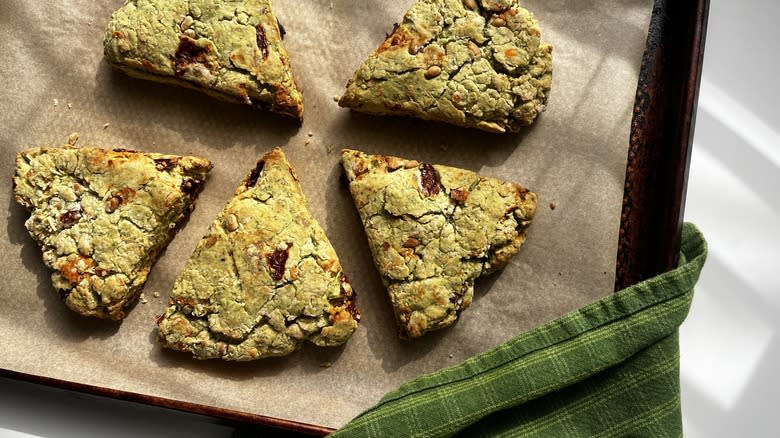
55 82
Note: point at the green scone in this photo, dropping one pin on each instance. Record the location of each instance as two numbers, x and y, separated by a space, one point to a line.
433 230
263 279
230 49
101 218
471 63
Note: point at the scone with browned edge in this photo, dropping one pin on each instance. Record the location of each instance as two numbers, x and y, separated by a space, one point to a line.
101 218
471 63
433 230
230 49
263 279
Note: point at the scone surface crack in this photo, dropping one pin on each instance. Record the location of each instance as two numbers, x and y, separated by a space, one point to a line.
433 230
102 217
264 278
472 63
229 49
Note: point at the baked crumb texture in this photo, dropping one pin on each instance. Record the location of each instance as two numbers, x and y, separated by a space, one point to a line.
101 218
263 279
230 49
471 63
433 230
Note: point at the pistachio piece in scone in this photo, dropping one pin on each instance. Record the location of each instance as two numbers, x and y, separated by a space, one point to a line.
472 63
433 230
230 49
264 278
101 218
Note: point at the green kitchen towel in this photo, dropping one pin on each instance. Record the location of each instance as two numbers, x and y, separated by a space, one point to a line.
610 369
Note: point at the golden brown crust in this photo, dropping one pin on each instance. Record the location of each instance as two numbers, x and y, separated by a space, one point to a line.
263 280
231 50
474 64
433 230
102 217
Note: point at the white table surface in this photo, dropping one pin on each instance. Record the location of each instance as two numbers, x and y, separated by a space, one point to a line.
730 348
730 343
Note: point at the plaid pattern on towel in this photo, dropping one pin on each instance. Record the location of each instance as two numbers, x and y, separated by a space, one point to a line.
610 369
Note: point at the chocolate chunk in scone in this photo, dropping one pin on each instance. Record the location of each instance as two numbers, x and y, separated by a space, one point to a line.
471 63
231 50
101 218
433 230
263 279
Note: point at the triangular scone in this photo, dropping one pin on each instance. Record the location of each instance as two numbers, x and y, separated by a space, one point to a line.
101 218
433 230
229 49
263 279
472 63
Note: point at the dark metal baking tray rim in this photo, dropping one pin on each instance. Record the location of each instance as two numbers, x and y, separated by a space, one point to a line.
178 405
661 141
654 195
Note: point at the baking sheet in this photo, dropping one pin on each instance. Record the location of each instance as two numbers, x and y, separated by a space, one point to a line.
56 82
